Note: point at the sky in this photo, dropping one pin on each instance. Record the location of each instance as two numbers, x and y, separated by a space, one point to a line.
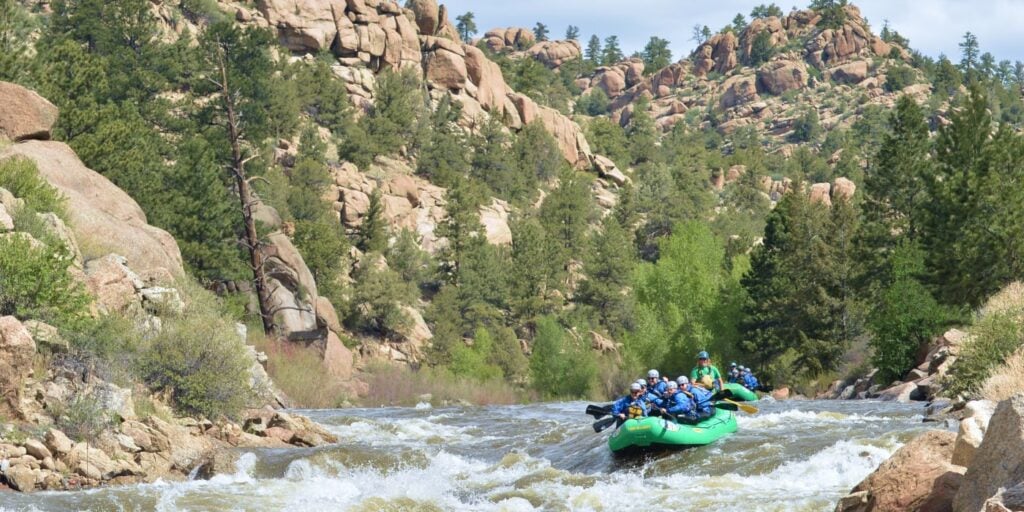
933 26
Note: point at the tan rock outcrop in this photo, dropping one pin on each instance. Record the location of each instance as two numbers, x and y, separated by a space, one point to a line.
977 414
843 188
820 194
302 25
292 289
494 218
112 284
995 464
555 53
17 349
101 213
918 477
511 38
717 54
427 15
446 69
24 114
338 358
849 73
781 76
738 90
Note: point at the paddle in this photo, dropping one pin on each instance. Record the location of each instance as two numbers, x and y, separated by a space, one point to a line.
599 411
726 406
601 425
749 409
722 394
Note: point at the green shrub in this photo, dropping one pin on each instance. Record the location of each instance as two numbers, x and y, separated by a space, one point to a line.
560 367
35 283
378 297
807 127
472 362
906 318
899 77
198 357
83 418
21 177
594 103
992 341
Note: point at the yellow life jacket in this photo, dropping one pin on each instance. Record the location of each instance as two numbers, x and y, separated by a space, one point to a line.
635 411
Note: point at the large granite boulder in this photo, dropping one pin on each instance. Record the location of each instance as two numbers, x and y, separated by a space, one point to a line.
24 114
997 462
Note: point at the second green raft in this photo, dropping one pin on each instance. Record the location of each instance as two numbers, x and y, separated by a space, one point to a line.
651 432
740 393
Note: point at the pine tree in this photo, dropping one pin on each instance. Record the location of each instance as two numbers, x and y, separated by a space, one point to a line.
969 50
656 54
642 134
608 266
493 164
611 53
443 159
572 33
466 26
566 212
372 233
537 271
764 11
739 23
540 31
459 227
594 53
833 12
15 26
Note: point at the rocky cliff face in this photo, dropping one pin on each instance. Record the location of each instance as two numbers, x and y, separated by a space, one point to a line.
368 36
826 69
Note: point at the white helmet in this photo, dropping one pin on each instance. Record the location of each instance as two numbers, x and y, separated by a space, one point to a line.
671 385
653 374
634 387
641 382
682 380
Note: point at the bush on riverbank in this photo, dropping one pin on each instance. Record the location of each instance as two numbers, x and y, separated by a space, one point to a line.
985 364
300 373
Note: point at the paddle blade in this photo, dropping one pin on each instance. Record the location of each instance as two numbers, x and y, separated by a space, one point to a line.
722 394
749 409
726 406
598 411
601 425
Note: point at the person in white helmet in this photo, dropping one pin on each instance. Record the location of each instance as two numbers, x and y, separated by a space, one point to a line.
632 406
655 386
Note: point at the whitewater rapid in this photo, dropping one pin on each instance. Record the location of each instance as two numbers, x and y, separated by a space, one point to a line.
791 456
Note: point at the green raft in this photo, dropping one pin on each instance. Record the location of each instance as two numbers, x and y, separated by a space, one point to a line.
740 393
651 432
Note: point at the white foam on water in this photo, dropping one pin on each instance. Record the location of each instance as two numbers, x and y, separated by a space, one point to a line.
796 416
423 406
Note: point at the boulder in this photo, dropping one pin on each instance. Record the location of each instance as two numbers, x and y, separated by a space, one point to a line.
898 393
446 70
781 76
6 221
293 291
738 90
427 15
417 333
21 478
494 218
843 187
849 73
977 414
610 80
918 477
57 442
338 358
17 350
113 285
820 194
302 25
996 462
102 214
555 53
781 393
24 114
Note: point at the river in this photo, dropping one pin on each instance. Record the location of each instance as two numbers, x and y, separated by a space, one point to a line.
791 456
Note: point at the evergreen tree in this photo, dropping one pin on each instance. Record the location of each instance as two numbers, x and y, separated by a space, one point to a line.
566 212
894 191
466 26
537 155
594 52
969 51
761 49
764 11
607 138
560 367
15 26
493 164
656 54
948 78
459 228
443 159
372 232
572 33
700 34
594 103
391 124
540 31
537 271
641 134
611 53
608 266
739 23
832 12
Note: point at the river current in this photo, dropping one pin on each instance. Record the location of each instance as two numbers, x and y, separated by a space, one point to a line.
791 456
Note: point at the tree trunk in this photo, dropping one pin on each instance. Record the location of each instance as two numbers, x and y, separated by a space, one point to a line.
252 241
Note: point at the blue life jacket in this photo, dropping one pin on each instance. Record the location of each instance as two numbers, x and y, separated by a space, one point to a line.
626 403
749 381
658 389
677 404
701 400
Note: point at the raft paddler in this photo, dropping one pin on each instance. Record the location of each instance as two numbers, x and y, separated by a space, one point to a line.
701 392
705 368
675 403
655 386
632 406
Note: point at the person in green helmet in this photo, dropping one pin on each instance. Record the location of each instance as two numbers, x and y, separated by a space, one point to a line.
704 367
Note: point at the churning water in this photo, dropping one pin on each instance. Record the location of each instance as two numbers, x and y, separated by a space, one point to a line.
792 456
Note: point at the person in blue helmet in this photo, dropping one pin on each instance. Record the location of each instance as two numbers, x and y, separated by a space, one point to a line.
734 373
675 403
632 406
748 380
704 367
655 386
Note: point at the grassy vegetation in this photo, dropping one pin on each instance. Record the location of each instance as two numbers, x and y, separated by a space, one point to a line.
990 363
299 372
393 385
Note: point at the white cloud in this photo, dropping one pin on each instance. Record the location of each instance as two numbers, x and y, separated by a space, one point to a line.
933 26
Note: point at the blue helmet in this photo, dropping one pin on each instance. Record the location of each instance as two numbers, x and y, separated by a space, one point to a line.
702 355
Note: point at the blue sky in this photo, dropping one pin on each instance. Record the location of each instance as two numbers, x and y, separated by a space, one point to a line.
933 26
